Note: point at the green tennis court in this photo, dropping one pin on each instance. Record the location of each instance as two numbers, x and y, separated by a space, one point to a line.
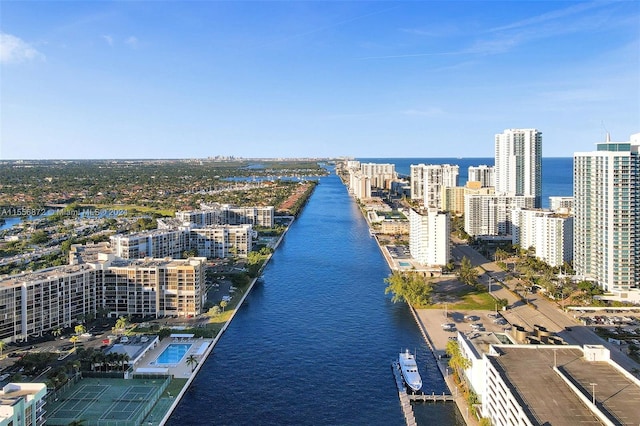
106 401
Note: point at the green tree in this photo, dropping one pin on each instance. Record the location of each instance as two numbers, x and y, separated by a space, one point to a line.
57 332
192 361
457 361
122 323
39 237
501 303
410 287
189 253
467 273
66 245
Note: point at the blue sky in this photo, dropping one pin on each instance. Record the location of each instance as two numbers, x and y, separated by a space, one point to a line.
192 79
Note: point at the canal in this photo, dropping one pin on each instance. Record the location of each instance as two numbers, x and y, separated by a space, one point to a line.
314 341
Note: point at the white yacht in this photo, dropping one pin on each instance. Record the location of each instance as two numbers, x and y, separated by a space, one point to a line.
409 370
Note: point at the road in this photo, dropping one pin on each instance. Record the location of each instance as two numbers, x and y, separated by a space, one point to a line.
540 310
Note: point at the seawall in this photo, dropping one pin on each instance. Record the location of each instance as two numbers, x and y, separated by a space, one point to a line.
222 330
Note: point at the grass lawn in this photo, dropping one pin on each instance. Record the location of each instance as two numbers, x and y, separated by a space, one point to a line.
462 297
174 387
476 301
141 209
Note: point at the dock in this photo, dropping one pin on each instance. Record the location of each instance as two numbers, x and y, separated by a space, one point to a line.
405 402
432 397
407 398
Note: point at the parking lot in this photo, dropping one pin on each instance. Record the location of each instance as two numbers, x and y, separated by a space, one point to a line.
435 322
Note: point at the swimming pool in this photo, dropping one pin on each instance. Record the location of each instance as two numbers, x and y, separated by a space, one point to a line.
173 353
405 264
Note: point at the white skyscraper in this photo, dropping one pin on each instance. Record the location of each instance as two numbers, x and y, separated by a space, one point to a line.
518 168
429 242
427 182
483 174
606 188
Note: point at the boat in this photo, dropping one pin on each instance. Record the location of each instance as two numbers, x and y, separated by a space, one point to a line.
409 370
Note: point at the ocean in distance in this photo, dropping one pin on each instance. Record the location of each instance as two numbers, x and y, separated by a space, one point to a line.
557 172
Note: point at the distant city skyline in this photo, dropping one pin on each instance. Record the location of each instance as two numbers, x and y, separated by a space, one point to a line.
92 80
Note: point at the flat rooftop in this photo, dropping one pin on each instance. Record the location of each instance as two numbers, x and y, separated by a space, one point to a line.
547 399
43 274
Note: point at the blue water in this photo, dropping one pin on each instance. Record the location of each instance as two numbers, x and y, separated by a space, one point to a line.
557 172
173 353
11 221
314 341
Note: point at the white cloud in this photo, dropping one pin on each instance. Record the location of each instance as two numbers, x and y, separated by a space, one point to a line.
16 50
428 112
108 39
132 42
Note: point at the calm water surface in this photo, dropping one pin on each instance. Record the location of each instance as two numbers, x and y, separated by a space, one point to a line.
313 342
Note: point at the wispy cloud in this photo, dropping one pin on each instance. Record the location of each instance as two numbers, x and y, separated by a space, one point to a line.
550 16
501 39
412 55
108 39
15 50
440 30
132 42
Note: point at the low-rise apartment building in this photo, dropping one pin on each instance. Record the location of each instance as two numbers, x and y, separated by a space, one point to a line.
211 241
227 214
22 404
547 384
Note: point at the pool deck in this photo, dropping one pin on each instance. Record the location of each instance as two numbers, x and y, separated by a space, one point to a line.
181 369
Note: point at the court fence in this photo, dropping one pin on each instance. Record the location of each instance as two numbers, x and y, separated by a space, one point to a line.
137 419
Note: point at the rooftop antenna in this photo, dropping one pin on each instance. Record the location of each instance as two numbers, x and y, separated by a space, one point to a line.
608 137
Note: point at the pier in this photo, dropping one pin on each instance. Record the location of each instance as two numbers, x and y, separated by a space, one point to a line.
407 398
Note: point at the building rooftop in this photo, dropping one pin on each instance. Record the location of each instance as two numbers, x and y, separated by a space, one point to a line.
548 399
88 253
43 274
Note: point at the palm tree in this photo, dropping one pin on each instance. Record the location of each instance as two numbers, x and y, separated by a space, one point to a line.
457 361
74 340
3 345
223 305
57 332
112 359
122 323
123 358
79 329
192 361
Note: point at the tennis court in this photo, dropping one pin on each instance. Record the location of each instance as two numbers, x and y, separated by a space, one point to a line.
107 401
